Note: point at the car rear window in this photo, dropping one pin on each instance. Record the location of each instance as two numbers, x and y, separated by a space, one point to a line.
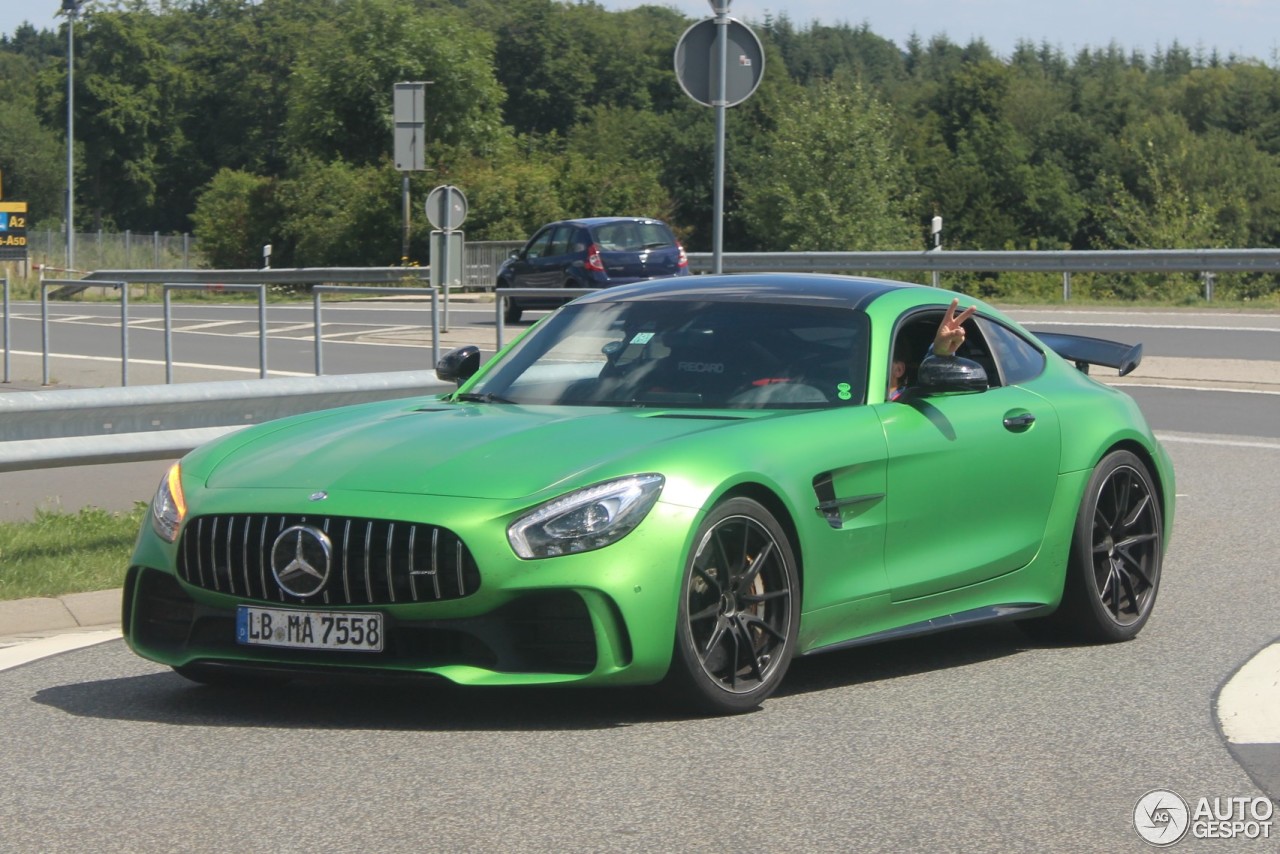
633 236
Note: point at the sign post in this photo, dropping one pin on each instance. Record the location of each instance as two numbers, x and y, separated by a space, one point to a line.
719 63
409 108
446 210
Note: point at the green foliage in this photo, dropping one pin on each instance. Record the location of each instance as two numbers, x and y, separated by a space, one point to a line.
830 178
33 161
233 219
338 215
59 553
341 89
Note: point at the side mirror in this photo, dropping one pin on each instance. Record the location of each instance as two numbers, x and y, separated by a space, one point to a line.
458 366
951 373
516 253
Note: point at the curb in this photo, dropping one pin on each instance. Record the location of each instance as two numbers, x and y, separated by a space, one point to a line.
1245 712
73 611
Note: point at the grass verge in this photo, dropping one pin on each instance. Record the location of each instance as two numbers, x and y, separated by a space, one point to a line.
59 553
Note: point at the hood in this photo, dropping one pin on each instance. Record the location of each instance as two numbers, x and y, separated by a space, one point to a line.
465 450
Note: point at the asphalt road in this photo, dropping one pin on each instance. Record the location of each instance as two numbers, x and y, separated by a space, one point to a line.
970 741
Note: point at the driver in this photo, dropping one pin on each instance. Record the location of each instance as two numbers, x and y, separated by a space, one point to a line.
946 342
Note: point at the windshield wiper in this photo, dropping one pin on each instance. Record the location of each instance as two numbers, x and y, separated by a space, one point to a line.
484 397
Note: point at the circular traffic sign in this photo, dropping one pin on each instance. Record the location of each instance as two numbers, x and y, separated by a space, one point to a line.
446 207
696 61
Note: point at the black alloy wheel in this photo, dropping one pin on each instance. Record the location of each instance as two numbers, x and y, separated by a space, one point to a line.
739 610
1116 553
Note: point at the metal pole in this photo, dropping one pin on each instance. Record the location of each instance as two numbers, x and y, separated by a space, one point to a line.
435 328
720 68
1066 286
7 343
498 319
315 296
262 331
404 210
44 334
444 252
168 336
124 333
71 198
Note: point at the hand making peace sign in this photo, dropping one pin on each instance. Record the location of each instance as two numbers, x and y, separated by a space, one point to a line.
951 330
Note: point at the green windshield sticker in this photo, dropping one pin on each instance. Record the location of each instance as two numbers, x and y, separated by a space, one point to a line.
642 338
844 391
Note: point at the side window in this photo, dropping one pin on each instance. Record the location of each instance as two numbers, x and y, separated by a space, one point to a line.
1016 358
915 334
538 245
560 243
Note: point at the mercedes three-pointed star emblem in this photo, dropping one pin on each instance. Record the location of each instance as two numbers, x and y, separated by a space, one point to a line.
300 560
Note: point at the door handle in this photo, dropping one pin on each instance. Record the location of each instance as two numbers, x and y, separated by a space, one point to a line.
1019 422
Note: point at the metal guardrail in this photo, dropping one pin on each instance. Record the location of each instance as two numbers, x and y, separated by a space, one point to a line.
1037 261
45 284
268 276
260 290
319 290
69 427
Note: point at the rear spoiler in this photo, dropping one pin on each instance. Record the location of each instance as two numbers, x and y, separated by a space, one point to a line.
1085 351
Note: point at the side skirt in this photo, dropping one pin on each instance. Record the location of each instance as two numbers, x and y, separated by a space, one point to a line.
990 614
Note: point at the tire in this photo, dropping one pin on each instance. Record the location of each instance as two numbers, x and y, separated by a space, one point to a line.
735 635
219 676
511 311
1113 574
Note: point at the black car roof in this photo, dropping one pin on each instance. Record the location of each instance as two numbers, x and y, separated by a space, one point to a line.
796 288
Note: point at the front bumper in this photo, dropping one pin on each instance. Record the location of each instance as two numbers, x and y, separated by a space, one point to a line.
601 617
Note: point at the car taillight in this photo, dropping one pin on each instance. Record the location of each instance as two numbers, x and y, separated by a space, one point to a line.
593 259
684 259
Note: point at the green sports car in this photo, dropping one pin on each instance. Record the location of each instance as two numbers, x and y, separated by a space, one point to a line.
683 482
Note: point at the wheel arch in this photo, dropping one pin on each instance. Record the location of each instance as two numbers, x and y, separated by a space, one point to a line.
1153 470
767 498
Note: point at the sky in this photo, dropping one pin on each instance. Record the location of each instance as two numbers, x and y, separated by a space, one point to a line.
1244 27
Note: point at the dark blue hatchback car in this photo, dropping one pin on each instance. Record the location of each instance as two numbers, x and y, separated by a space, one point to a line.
593 252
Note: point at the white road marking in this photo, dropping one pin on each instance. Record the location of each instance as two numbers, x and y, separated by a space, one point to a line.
1179 387
1272 329
212 324
133 361
24 653
1248 702
1193 439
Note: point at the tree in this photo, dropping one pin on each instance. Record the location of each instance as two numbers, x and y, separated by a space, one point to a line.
234 216
128 110
341 90
830 177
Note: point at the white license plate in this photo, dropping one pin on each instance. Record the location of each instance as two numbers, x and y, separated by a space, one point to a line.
309 629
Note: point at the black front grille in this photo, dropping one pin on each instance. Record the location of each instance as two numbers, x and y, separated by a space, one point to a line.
372 562
540 632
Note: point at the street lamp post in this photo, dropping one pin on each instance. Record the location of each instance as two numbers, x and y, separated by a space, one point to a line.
71 7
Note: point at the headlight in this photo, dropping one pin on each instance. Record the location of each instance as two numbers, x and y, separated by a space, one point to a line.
169 507
590 518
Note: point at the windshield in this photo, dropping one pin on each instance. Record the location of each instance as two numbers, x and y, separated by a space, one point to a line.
705 355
